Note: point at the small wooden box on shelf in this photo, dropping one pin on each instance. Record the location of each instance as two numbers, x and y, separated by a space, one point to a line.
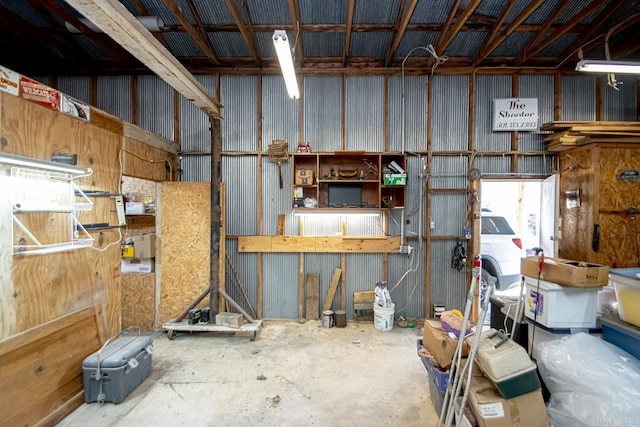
348 180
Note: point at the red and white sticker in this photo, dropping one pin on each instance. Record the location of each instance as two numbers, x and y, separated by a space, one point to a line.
9 81
75 108
34 91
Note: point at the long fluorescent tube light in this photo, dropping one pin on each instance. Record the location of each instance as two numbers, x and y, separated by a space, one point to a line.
42 164
281 43
616 67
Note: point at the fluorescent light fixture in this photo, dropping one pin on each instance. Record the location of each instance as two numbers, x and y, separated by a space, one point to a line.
281 43
43 164
616 67
324 213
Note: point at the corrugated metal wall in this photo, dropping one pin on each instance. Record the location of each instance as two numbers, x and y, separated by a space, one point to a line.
365 113
155 98
450 115
114 96
489 88
364 129
323 113
75 86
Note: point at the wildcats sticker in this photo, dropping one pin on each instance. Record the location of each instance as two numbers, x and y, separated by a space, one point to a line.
9 81
34 91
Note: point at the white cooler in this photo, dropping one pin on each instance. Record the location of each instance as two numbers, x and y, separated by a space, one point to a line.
560 306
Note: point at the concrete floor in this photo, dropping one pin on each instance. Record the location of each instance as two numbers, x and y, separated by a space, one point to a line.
314 376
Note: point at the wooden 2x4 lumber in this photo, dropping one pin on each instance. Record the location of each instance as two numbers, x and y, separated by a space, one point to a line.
335 281
328 244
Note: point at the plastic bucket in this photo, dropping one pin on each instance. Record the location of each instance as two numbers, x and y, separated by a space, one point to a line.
383 317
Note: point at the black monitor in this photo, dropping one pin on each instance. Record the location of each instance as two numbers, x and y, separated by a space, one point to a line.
345 195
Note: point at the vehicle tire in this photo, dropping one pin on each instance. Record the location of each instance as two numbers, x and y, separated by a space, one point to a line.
484 284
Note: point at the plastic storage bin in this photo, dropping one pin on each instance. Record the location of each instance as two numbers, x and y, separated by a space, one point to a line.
621 334
506 364
543 334
627 286
437 378
560 306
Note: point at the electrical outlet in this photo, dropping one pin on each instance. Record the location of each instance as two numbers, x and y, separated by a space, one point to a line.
433 225
405 249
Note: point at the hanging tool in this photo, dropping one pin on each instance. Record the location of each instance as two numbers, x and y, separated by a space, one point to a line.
457 371
459 258
278 151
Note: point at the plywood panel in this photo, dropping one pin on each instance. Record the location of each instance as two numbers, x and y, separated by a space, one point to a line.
42 367
184 234
615 193
48 286
618 241
144 161
138 300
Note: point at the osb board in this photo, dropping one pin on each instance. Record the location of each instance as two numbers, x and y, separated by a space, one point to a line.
7 307
615 193
618 246
144 161
41 375
49 286
577 223
185 218
138 299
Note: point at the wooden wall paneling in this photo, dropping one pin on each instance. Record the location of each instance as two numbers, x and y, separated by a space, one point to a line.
184 233
615 193
7 304
49 286
577 173
143 161
138 300
618 240
41 375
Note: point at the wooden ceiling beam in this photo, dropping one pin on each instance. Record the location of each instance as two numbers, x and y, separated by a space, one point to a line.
347 35
195 34
246 35
587 41
447 24
536 39
497 41
451 33
296 24
568 26
399 33
69 17
622 50
116 21
143 11
497 26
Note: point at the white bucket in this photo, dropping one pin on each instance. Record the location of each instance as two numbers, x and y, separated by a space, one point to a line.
383 317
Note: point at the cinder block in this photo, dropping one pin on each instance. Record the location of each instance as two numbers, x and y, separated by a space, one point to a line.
232 320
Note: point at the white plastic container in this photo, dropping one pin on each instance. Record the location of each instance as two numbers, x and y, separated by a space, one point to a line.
543 334
383 317
560 306
627 286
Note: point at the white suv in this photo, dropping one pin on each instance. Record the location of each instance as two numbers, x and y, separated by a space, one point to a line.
501 251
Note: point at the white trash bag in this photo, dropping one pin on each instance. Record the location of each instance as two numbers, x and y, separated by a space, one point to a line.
592 382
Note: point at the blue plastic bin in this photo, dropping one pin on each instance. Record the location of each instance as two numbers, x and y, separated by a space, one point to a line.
439 377
621 334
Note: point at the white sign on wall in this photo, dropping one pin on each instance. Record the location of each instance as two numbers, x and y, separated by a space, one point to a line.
515 114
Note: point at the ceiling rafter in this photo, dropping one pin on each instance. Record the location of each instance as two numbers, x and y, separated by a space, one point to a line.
536 39
347 35
447 24
444 42
399 34
69 17
249 23
497 26
200 27
626 48
294 11
197 35
497 41
568 26
587 36
143 11
45 13
246 35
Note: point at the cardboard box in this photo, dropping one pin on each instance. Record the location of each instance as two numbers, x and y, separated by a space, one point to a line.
134 208
492 410
395 179
304 177
145 245
137 265
439 344
566 272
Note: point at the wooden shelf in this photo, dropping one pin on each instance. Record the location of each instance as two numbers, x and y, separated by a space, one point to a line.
370 192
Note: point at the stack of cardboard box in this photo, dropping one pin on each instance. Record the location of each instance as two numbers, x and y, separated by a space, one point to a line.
139 258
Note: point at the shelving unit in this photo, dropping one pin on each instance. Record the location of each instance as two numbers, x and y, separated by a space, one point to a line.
346 180
44 200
